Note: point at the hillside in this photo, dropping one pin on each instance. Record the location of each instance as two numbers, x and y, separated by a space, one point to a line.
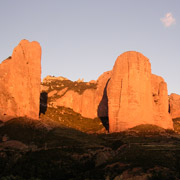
45 150
52 89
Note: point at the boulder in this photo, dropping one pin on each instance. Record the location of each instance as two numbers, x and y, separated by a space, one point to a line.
174 103
20 78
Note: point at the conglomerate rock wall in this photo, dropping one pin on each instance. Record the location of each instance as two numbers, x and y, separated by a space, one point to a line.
20 78
129 95
135 96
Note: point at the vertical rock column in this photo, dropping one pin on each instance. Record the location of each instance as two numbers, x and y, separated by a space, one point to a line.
20 78
160 103
174 103
129 92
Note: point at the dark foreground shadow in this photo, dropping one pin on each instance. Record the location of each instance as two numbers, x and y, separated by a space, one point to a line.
43 103
103 108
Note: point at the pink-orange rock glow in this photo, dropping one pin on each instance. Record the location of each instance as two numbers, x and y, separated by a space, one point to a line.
20 77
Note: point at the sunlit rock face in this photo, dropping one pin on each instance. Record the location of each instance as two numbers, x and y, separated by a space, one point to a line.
129 92
91 103
20 77
161 114
130 97
174 103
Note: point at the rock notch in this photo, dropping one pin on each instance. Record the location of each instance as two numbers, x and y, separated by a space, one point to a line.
135 96
20 78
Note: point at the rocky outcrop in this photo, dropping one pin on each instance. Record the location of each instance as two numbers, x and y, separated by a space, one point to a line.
129 92
129 95
161 114
174 103
91 103
20 77
49 79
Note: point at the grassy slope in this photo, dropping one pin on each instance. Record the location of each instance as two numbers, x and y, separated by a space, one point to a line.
69 118
66 116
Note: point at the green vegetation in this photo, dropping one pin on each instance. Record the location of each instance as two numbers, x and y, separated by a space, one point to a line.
69 118
55 151
16 178
78 87
43 133
177 124
66 116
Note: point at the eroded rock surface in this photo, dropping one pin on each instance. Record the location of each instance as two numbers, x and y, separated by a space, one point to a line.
91 103
174 103
129 95
130 99
20 77
161 114
129 92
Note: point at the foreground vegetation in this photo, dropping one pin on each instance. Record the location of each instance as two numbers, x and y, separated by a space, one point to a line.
67 117
46 150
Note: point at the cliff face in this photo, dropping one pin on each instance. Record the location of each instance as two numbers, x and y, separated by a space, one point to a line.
135 96
129 92
161 114
20 78
174 103
90 103
127 96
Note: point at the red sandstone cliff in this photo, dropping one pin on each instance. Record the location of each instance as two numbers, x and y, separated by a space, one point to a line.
91 103
174 103
20 77
161 115
129 92
129 95
135 96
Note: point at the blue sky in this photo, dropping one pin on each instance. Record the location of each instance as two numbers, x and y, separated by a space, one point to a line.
83 38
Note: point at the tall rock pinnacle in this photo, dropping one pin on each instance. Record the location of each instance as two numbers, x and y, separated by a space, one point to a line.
130 98
20 78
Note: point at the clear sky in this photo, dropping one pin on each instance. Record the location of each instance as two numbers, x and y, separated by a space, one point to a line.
83 38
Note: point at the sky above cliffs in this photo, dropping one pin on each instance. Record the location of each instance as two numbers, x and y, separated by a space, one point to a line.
83 38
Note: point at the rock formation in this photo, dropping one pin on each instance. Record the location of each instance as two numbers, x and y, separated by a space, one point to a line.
20 77
48 79
174 103
91 103
129 92
161 115
129 95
